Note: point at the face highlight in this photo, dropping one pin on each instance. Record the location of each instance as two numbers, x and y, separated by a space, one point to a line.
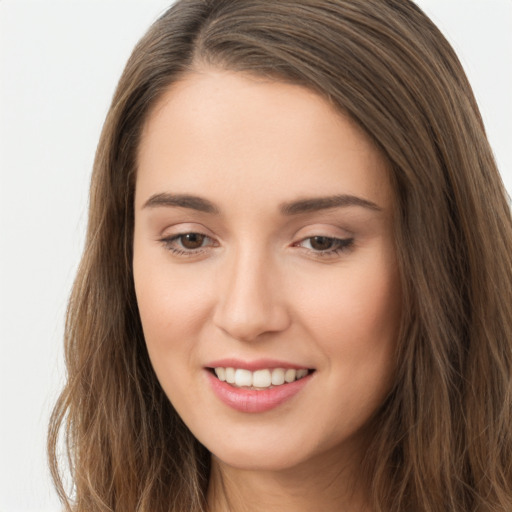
265 269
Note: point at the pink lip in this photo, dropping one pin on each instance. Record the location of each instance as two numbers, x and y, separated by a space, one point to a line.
254 401
258 364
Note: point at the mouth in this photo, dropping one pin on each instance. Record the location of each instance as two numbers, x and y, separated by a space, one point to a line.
256 386
261 379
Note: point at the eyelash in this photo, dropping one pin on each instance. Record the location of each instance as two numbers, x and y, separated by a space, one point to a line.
170 244
341 245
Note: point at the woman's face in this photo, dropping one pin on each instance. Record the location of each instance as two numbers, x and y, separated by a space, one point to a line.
263 248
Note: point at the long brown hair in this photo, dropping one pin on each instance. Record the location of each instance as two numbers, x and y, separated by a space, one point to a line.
444 436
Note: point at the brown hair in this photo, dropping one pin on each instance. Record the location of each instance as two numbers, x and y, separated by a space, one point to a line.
444 437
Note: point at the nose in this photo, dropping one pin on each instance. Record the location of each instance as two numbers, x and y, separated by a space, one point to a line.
251 302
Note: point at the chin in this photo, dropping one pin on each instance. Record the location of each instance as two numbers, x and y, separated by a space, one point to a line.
257 460
274 452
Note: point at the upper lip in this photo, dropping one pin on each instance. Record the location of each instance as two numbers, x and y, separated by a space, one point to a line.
256 364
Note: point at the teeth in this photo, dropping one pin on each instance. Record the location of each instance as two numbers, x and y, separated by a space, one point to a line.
301 373
230 375
260 379
243 378
290 375
277 376
221 373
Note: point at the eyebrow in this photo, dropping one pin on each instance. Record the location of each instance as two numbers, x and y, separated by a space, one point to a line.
289 208
181 201
324 203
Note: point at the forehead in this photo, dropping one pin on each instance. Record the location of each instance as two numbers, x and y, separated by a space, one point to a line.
254 134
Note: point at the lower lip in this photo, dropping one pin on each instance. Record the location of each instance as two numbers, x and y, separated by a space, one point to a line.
251 400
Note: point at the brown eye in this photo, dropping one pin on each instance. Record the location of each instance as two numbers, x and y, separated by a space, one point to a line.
192 240
326 245
321 243
188 244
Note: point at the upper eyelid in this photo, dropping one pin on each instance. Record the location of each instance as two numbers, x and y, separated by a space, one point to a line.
304 230
325 230
296 237
178 229
176 236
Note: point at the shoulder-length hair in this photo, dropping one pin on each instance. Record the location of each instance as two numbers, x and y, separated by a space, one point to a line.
444 436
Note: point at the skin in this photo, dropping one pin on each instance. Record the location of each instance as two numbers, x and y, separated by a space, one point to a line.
259 287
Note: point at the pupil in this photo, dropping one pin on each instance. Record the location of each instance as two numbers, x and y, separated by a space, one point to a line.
321 243
192 240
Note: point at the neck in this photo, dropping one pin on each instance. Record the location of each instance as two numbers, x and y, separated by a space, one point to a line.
314 485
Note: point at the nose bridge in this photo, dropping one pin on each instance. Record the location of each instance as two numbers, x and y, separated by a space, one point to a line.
250 301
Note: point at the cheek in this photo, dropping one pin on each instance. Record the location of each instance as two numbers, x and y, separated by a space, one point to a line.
171 313
171 305
356 326
354 318
360 304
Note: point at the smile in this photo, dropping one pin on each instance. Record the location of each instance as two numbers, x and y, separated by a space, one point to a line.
256 387
259 379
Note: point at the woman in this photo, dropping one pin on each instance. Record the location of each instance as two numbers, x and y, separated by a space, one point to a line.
296 287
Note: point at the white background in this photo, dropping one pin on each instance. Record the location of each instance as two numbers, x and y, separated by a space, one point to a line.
59 64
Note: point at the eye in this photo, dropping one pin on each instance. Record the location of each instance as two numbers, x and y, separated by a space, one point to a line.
187 243
192 240
326 245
